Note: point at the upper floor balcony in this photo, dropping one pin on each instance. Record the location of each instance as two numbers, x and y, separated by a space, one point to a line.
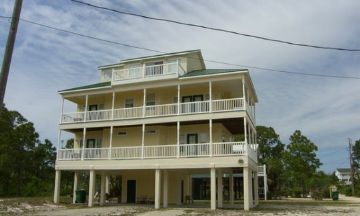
169 70
186 108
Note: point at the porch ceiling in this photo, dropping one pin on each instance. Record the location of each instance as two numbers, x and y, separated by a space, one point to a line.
234 125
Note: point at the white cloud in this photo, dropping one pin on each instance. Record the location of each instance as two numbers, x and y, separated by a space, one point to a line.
46 61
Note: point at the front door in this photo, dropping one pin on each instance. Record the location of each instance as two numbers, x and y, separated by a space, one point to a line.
131 191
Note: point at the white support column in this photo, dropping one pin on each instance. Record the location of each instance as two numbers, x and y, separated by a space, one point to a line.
251 192
62 109
243 90
165 189
144 103
107 184
220 188
265 183
210 96
210 137
231 188
91 188
102 189
245 131
247 188
113 105
58 144
157 188
57 186
178 99
83 144
111 140
178 139
143 141
213 188
86 107
256 188
76 179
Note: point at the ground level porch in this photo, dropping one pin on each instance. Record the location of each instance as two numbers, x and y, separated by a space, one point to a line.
216 187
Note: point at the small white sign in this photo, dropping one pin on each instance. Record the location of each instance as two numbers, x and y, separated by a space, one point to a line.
237 148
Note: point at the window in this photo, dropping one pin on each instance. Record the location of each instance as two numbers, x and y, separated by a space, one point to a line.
151 131
150 99
135 71
154 68
129 102
122 133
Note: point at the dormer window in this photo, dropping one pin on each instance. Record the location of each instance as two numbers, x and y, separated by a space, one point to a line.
154 68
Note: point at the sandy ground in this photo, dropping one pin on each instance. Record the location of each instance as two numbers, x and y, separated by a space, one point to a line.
299 207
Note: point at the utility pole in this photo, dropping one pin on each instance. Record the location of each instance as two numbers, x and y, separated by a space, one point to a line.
352 178
9 49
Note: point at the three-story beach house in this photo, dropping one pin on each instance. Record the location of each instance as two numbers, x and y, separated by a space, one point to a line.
174 131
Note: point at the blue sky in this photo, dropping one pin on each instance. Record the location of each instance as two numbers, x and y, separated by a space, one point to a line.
325 110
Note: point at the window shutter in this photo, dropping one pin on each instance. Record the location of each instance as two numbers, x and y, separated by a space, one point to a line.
182 139
98 143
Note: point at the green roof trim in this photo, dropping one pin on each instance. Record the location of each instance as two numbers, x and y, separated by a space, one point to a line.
96 85
210 72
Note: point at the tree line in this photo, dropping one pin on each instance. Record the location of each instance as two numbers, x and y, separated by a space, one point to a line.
293 169
27 164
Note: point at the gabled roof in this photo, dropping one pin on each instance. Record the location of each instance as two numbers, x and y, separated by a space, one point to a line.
92 86
150 57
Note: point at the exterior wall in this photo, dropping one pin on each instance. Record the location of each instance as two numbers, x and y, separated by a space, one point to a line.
194 63
145 181
164 135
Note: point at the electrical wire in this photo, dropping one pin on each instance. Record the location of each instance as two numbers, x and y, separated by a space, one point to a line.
217 29
206 60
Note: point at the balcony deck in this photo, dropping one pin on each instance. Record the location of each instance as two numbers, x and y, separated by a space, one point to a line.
213 106
222 149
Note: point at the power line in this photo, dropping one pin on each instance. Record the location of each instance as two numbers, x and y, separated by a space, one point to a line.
217 29
206 60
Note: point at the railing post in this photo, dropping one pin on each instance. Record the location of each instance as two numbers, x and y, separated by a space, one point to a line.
58 144
178 66
112 74
62 109
86 107
83 144
210 137
144 103
245 131
178 99
178 139
210 96
113 105
143 70
111 139
143 141
243 89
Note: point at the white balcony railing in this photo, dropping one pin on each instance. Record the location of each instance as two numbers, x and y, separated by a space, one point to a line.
225 105
127 113
146 71
161 151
